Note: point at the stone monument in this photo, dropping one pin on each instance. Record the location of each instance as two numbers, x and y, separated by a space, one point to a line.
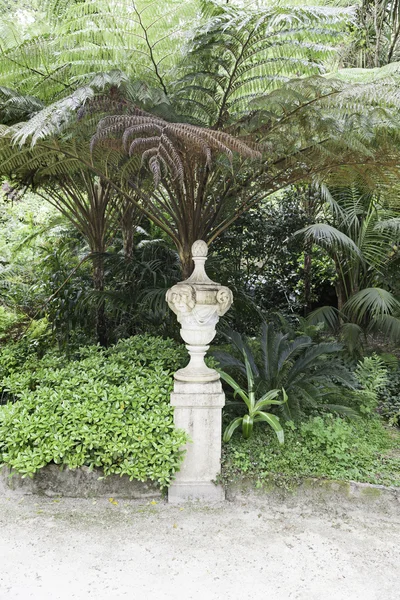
198 398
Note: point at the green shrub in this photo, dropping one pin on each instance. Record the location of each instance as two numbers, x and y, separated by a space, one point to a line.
372 375
327 447
389 398
8 319
108 409
24 352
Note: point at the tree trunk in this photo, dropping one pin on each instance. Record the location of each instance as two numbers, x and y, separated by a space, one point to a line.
307 277
98 284
341 295
185 255
127 235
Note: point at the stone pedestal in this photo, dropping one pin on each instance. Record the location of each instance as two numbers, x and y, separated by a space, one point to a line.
198 398
198 410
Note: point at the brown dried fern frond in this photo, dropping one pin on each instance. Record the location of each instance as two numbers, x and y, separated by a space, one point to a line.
169 147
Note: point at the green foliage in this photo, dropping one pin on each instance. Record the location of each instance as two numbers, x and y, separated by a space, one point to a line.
372 375
260 255
308 372
236 77
389 398
8 318
109 409
242 53
42 275
255 412
326 447
62 43
375 34
360 242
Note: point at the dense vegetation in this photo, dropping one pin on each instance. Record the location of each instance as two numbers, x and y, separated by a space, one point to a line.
271 130
106 408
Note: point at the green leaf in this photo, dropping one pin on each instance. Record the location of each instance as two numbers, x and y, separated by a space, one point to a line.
247 426
274 422
235 386
268 399
231 428
249 373
330 238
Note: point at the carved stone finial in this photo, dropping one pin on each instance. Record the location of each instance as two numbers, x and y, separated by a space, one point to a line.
199 248
199 255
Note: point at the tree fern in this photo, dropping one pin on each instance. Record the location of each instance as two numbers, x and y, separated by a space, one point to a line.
68 43
242 54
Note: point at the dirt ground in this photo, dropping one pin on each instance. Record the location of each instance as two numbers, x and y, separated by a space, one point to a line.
56 549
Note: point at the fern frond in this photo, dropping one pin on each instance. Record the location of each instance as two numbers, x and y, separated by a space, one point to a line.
176 145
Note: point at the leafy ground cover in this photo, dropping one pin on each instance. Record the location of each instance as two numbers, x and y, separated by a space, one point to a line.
107 408
326 447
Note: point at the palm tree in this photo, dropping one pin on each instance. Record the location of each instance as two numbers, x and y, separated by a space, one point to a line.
359 241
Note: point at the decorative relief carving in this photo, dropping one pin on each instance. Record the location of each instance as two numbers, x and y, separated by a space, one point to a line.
181 298
224 299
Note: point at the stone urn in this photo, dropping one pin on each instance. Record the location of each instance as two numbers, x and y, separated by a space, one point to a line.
198 397
198 303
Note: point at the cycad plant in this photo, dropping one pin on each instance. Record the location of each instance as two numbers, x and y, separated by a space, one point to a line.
310 373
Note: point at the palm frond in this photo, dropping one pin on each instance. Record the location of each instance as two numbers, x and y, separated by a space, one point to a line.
372 302
389 325
329 238
328 315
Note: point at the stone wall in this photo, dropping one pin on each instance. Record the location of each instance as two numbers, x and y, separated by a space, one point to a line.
78 483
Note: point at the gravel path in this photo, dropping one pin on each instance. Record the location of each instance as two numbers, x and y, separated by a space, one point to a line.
81 549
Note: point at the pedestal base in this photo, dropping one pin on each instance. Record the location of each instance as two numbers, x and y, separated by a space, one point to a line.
179 493
198 410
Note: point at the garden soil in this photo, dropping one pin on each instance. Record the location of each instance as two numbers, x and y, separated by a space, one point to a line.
56 549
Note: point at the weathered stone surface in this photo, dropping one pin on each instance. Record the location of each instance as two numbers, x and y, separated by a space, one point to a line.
198 398
198 412
312 492
76 483
198 303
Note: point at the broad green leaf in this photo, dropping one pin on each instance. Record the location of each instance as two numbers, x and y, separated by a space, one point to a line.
235 386
231 428
274 422
247 426
249 373
268 398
